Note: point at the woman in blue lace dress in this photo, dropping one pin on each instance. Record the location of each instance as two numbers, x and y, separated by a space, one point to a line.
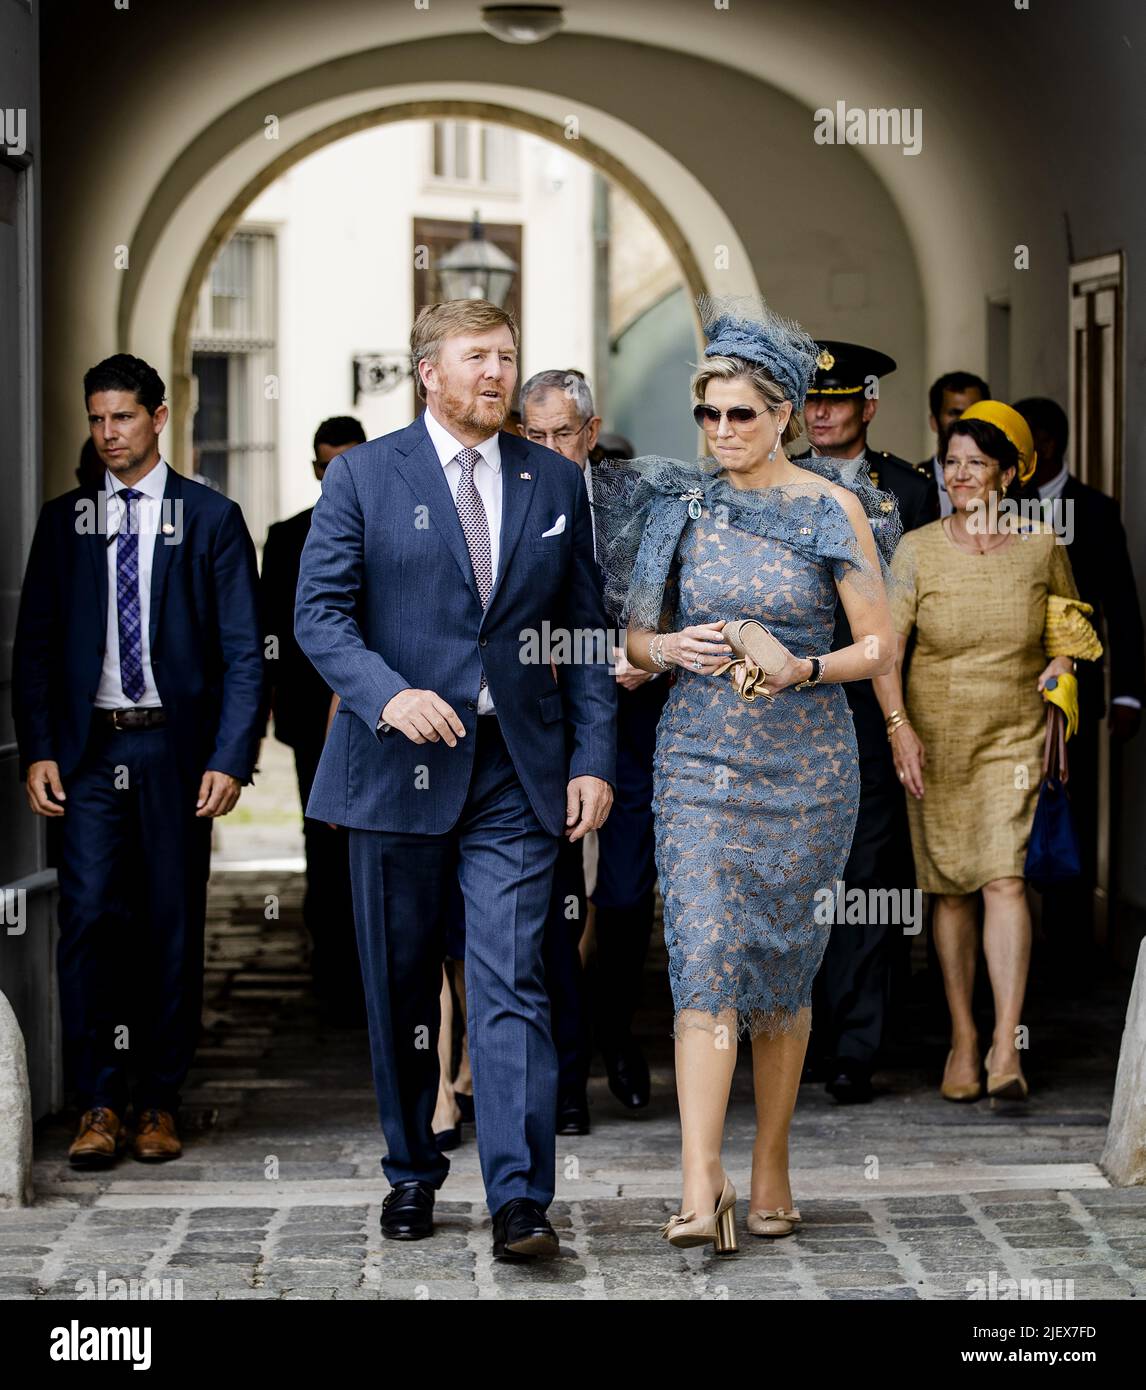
755 803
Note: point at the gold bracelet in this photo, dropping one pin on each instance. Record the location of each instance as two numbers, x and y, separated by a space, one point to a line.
892 715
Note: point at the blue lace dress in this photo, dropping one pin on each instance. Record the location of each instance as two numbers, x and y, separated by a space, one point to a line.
754 804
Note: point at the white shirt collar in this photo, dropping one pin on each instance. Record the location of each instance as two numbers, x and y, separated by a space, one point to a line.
448 447
1053 486
152 484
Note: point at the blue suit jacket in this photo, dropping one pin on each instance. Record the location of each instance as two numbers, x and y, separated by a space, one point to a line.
387 601
204 632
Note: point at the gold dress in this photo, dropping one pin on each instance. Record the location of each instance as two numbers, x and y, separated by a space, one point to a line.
972 697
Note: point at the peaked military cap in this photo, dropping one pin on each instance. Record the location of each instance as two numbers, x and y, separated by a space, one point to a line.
843 369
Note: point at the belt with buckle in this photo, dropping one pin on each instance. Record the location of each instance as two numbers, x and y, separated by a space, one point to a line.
133 718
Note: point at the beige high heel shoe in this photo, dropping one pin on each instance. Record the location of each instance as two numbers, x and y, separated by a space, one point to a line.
963 1090
687 1230
773 1223
1005 1085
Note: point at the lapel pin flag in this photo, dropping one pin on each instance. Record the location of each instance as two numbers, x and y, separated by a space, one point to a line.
527 476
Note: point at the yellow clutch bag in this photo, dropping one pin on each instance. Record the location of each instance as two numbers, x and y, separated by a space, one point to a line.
756 656
1066 631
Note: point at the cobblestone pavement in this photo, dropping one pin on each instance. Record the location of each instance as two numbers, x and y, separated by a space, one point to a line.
279 1190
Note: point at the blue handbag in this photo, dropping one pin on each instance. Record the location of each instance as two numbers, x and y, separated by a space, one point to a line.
1052 852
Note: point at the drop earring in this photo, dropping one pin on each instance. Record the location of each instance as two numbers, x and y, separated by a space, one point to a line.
772 453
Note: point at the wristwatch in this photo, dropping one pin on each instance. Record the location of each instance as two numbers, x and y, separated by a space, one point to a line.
815 677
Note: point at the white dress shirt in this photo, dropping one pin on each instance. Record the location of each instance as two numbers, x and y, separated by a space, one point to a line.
487 480
587 474
945 505
148 512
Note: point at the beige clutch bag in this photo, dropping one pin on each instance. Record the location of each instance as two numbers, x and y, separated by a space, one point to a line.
756 656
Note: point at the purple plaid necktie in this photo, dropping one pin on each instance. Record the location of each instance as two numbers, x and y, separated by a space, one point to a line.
127 598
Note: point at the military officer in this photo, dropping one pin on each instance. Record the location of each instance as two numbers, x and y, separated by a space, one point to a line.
850 999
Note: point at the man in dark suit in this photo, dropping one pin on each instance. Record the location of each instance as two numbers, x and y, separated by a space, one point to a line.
557 411
950 395
299 701
445 564
1090 524
136 684
850 997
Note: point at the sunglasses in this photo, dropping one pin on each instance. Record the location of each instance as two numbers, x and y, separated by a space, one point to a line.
708 417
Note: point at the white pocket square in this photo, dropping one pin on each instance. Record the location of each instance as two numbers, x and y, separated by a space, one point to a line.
556 529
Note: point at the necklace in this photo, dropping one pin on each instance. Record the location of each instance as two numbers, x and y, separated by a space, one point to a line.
1001 539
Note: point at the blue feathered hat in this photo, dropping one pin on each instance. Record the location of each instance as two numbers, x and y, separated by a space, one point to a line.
744 326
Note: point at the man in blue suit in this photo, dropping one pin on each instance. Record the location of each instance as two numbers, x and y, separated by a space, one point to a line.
448 571
136 683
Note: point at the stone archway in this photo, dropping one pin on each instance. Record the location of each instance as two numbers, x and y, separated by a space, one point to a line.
596 154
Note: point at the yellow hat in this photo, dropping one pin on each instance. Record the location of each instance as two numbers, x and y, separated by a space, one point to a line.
1012 424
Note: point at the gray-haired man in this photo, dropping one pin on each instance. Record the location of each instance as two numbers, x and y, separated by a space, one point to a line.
557 411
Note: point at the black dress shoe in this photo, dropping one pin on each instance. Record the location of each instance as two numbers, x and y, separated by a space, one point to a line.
573 1115
522 1232
466 1106
447 1139
408 1211
629 1076
850 1084
815 1069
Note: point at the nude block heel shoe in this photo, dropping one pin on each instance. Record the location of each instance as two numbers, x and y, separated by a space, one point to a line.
686 1230
773 1223
963 1090
1005 1085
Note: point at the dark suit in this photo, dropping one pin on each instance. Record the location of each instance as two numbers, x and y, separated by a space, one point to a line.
133 858
387 601
850 997
625 894
299 700
624 901
1100 559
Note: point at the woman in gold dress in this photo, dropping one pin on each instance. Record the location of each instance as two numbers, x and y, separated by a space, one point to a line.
968 736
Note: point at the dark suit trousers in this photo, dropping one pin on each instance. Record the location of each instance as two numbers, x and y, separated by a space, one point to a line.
851 992
133 866
503 859
327 907
626 871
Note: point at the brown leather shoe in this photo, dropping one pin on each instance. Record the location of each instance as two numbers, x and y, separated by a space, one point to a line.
99 1140
156 1139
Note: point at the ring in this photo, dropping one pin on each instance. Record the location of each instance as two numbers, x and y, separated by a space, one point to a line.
901 776
696 662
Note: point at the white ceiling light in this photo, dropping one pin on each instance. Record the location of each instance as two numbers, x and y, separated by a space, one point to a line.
522 23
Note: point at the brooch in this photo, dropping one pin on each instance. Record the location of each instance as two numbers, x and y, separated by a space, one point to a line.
692 497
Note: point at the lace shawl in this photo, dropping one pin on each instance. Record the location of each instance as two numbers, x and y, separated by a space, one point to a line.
642 506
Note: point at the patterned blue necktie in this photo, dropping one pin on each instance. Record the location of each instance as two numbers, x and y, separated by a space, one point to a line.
127 598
